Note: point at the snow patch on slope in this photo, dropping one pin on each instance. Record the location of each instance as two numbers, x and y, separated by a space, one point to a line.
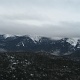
22 44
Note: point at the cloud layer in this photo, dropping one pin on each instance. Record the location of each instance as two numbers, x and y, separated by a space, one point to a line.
55 18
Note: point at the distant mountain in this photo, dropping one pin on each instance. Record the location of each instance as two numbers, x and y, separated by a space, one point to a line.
55 46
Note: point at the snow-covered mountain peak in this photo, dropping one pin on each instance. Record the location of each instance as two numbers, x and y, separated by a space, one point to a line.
73 41
55 45
8 35
35 38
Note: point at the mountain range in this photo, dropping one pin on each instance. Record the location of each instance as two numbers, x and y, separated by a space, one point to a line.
54 46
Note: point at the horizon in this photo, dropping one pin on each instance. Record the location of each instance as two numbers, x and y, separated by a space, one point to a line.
39 36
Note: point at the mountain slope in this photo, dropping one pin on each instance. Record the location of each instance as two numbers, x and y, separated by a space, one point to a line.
62 46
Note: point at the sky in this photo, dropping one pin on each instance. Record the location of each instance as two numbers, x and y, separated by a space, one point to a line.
53 18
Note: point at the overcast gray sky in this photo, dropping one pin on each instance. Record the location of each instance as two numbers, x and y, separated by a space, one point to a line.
56 18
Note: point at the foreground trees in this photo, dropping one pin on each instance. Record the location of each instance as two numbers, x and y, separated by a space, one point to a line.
34 66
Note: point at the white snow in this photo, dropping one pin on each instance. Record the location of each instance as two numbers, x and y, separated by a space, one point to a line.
12 57
14 63
22 44
78 46
32 74
35 37
73 41
8 35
